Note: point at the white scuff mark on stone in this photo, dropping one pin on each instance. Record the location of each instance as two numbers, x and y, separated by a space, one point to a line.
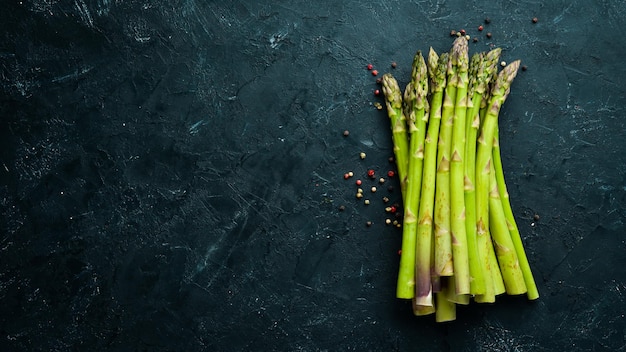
83 10
277 38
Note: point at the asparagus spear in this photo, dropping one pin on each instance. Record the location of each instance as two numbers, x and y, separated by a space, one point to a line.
393 100
437 75
503 244
499 93
483 66
457 193
415 107
529 280
445 310
443 243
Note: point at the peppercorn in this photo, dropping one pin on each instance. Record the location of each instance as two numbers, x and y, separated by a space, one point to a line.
342 207
377 92
390 173
362 155
367 202
385 200
535 20
475 40
370 173
346 176
503 63
350 173
368 224
379 80
480 28
381 180
452 33
462 31
536 217
346 133
358 182
359 195
373 189
487 20
524 68
488 34
375 73
388 221
370 66
394 64
390 188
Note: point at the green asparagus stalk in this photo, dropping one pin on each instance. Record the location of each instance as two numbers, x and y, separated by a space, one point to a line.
443 241
529 280
483 65
499 92
437 76
445 309
393 101
457 193
415 102
503 244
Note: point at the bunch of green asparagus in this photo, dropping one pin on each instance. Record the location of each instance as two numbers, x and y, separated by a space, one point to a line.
459 239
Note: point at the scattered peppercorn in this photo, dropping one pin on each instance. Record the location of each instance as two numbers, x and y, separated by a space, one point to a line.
346 176
377 92
388 221
480 28
462 31
358 182
385 200
378 105
390 173
359 190
379 80
524 68
350 173
367 202
487 20
392 209
368 224
535 20
390 188
391 159
394 64
388 209
370 66
359 195
399 252
346 133
467 37
373 189
536 217
458 34
342 207
503 63
362 155
375 73
381 180
475 40
370 173
488 34
452 33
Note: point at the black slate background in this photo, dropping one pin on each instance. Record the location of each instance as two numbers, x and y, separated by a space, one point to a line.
171 173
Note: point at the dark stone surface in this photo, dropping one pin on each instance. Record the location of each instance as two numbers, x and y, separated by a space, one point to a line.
171 173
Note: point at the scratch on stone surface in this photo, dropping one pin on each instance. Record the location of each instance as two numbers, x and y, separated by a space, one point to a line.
83 10
560 16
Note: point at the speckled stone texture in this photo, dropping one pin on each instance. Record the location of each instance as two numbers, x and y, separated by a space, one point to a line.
172 171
